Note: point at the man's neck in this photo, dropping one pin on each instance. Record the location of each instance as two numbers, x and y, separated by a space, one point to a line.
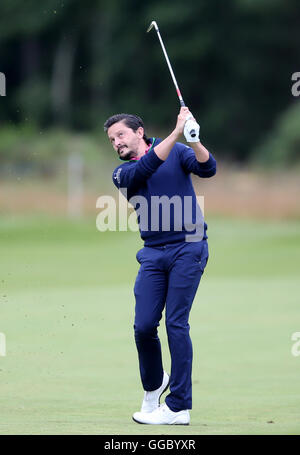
142 149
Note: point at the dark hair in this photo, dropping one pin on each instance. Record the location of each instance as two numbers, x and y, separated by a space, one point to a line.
131 121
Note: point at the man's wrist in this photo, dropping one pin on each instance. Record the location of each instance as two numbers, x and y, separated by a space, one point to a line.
176 134
195 144
202 154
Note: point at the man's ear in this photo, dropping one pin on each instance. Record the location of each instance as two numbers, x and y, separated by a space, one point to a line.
140 132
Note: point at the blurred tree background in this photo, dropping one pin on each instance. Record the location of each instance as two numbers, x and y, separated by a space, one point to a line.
71 64
66 288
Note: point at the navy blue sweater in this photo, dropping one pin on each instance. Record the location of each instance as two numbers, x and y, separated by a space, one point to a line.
163 220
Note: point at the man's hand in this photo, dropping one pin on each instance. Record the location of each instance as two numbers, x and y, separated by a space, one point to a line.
185 123
181 119
191 130
163 149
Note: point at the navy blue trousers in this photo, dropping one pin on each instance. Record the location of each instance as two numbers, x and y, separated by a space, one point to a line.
168 278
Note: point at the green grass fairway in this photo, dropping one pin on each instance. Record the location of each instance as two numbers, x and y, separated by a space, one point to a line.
67 306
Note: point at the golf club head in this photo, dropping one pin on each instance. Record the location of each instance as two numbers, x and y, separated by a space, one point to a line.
153 24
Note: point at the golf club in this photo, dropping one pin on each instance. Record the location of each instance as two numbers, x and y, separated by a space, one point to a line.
154 24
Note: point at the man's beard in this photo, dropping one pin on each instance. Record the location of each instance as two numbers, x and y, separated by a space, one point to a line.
127 156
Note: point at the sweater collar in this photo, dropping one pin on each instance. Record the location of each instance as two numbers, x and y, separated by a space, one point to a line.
152 141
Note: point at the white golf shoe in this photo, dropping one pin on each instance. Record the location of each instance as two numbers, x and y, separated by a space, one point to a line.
151 399
163 416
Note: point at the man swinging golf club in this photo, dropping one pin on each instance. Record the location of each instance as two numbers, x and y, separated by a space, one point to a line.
174 255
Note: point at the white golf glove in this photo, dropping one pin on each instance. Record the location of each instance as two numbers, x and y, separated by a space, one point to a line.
191 130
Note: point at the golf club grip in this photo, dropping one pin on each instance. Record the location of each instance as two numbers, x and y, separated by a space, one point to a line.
182 104
192 132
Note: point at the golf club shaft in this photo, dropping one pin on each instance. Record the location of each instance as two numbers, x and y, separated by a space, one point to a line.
154 24
170 67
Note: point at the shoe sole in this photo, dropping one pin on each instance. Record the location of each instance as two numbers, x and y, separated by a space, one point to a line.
143 423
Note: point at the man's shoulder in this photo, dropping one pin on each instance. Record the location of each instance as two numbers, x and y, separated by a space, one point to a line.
179 149
177 146
126 164
180 146
117 171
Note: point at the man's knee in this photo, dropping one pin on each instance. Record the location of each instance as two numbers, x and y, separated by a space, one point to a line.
177 326
145 329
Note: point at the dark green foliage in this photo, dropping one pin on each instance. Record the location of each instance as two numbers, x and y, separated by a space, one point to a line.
72 64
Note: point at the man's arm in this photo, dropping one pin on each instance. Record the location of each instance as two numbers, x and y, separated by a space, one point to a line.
201 153
196 158
191 165
134 175
164 148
